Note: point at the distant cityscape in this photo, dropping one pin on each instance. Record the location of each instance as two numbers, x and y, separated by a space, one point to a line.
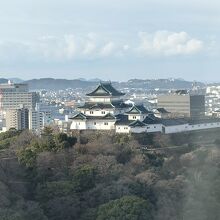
132 108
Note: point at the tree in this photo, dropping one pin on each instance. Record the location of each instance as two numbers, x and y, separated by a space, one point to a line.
144 138
124 155
84 178
47 131
126 208
28 157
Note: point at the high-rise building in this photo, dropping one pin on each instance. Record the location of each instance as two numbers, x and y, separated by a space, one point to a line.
182 103
36 120
12 96
17 119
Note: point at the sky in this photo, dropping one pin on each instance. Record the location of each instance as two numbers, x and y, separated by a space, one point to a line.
110 39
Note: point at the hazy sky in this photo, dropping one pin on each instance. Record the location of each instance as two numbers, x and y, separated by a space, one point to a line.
110 39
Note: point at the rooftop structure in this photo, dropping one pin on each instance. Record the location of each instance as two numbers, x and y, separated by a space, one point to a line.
105 90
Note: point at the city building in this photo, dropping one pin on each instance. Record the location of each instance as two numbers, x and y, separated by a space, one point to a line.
17 119
36 121
212 100
183 104
12 96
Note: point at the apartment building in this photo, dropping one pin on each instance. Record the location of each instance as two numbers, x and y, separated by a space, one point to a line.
17 119
12 96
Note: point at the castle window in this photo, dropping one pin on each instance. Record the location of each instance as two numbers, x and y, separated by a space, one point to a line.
105 123
91 112
134 117
103 112
94 123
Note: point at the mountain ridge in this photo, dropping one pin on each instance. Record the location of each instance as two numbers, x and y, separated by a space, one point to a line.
56 84
59 84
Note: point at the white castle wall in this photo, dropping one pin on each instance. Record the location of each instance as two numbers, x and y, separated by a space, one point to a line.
122 129
136 117
95 112
175 128
92 125
100 125
204 126
154 128
78 125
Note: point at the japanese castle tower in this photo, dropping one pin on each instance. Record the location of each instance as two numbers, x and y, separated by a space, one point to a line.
100 110
106 110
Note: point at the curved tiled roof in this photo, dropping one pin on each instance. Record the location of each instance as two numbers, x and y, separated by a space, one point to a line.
81 116
162 110
137 123
96 106
138 109
112 105
105 89
151 119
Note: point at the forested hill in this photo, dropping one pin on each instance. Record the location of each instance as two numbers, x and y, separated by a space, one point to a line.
55 84
3 80
108 176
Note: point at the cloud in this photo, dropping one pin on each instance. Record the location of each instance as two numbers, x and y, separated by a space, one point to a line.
90 44
167 43
55 48
69 46
73 47
108 49
89 48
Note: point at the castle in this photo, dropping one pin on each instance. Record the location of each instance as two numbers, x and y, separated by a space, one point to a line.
105 109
